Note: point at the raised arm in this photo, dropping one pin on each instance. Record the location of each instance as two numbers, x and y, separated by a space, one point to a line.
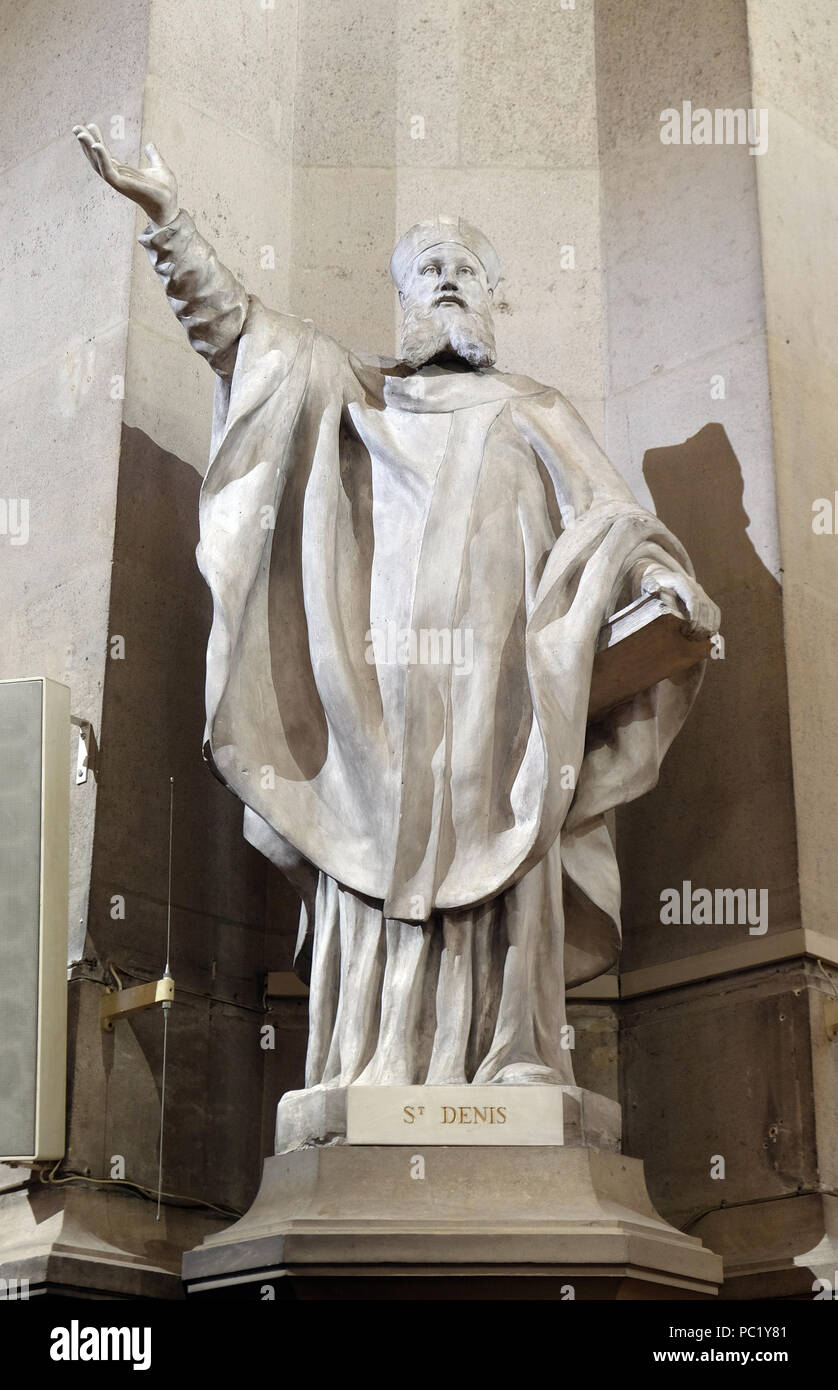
206 297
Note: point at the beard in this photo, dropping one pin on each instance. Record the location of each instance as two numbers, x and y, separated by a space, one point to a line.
445 328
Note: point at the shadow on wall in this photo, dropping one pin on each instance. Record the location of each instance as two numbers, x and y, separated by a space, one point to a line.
722 815
714 1069
152 729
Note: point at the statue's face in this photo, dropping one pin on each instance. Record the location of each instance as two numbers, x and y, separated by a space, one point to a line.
448 274
447 308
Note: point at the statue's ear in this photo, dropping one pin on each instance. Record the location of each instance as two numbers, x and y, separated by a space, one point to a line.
401 298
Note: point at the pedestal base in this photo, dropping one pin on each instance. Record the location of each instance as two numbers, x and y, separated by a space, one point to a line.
418 1116
386 1222
80 1242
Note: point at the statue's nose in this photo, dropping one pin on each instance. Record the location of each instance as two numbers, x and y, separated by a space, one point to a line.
449 282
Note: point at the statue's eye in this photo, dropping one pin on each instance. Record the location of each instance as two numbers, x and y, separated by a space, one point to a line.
426 269
466 270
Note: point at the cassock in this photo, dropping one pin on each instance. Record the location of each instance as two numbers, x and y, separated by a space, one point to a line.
409 571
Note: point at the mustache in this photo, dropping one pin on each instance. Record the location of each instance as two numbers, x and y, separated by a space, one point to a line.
446 327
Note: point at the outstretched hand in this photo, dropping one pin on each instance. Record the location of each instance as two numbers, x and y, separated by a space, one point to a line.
154 189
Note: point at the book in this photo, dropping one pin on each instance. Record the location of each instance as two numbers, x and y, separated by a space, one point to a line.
638 646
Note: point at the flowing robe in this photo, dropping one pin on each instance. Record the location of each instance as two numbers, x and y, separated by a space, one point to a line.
443 818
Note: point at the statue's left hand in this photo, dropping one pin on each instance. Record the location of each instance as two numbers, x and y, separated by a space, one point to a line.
704 616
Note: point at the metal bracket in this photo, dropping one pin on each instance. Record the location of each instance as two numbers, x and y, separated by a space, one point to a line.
119 1003
830 1017
284 984
86 761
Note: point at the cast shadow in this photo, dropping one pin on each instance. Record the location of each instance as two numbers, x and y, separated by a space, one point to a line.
722 814
223 940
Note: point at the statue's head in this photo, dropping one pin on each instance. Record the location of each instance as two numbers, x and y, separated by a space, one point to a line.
446 272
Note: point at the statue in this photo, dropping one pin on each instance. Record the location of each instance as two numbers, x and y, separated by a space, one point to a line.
410 562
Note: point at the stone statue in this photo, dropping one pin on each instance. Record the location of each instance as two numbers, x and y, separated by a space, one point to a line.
410 562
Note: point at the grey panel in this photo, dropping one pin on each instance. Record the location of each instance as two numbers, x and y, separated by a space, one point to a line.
20 850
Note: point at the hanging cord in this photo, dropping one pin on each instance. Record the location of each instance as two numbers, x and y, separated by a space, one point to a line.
170 1199
167 1003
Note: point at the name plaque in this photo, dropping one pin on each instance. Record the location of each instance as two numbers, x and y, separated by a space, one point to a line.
455 1115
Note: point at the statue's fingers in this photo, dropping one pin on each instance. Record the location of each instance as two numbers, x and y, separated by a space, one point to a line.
686 601
704 619
153 156
688 598
96 141
109 169
85 139
698 612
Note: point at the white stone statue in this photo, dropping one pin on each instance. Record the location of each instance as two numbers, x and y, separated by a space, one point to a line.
410 562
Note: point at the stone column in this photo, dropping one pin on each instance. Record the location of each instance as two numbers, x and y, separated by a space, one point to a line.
795 79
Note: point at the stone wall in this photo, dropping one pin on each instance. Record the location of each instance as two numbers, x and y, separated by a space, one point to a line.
720 1025
64 314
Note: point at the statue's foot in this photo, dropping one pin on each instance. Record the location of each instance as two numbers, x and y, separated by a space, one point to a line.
528 1074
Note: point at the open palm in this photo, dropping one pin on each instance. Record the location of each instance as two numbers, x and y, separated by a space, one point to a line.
154 188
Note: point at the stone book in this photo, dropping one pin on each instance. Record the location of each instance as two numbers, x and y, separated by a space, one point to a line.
638 646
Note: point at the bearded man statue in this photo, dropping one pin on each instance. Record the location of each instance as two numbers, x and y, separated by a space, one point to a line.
365 523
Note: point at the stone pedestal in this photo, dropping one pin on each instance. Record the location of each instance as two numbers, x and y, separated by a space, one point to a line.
81 1242
459 1114
375 1221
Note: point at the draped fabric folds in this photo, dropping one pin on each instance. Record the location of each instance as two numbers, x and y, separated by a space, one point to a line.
443 815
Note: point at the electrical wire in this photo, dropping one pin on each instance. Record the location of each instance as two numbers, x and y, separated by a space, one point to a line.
166 1002
171 1199
169 889
758 1201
